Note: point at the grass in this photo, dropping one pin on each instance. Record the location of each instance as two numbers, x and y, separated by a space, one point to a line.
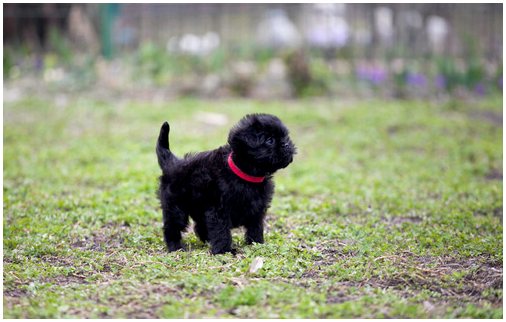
391 209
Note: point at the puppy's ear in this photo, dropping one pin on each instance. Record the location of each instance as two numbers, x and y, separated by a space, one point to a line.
258 122
235 138
242 139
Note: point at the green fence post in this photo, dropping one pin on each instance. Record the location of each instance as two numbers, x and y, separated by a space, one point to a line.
108 12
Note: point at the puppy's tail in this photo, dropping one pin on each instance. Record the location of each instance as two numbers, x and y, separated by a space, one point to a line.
165 157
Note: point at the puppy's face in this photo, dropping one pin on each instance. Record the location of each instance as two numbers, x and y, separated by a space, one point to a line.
263 141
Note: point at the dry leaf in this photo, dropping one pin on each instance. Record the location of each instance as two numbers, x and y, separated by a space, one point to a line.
428 306
256 264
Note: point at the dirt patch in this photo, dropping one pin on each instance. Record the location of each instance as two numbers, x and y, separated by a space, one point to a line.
394 129
331 252
78 275
479 274
16 292
109 236
494 174
496 212
397 221
489 116
340 297
66 279
57 261
469 279
138 301
19 288
488 275
8 260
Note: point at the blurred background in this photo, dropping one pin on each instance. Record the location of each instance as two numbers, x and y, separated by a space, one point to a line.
261 51
392 208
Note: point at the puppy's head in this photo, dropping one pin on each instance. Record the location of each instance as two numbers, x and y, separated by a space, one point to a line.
262 141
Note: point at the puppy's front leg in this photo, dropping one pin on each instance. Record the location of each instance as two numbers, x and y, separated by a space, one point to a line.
254 231
218 227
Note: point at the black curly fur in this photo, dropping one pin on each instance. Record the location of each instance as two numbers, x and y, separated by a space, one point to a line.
203 187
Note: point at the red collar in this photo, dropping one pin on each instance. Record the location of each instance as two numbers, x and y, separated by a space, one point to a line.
235 169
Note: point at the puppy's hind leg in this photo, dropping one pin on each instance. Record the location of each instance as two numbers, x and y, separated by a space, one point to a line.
174 222
201 231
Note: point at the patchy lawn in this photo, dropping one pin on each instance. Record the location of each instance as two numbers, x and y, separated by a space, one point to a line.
391 209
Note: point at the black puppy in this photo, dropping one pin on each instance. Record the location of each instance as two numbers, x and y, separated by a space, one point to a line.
224 188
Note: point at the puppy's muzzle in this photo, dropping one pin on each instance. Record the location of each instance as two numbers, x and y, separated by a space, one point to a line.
288 152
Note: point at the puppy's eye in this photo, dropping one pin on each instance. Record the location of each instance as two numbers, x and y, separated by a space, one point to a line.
269 141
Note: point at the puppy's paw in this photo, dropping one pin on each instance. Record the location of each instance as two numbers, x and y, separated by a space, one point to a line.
175 246
250 241
232 251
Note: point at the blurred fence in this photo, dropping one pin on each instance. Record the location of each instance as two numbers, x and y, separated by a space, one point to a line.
260 50
370 29
361 30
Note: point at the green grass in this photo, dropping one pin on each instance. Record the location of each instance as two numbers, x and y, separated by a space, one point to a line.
390 209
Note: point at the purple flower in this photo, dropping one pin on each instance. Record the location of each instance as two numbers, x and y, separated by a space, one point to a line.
361 73
378 75
317 37
440 81
480 89
499 82
416 79
39 63
373 74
